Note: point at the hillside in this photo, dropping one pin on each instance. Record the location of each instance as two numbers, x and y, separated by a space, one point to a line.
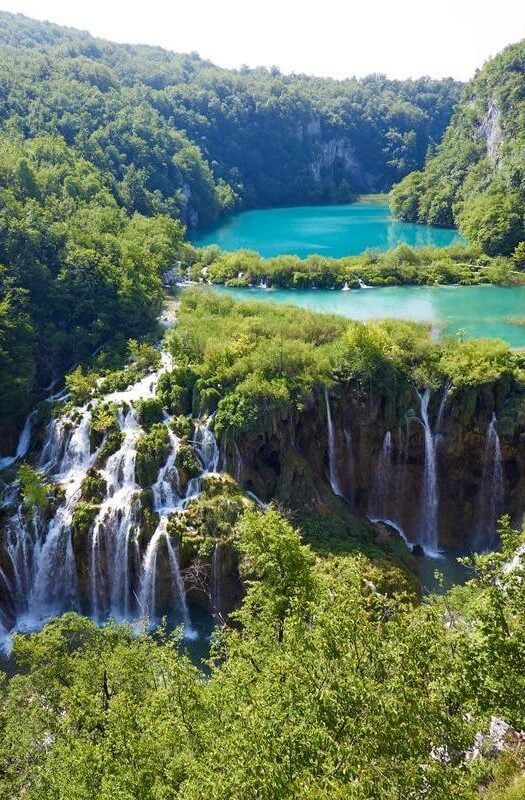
178 135
476 179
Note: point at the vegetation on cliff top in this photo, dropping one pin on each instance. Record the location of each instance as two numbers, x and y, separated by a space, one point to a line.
476 179
254 363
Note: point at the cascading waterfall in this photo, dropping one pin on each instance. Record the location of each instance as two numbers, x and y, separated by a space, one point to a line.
42 579
428 525
114 526
166 500
381 492
42 561
491 493
23 442
332 464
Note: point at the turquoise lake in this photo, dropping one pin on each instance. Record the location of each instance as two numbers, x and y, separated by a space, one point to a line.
486 311
333 231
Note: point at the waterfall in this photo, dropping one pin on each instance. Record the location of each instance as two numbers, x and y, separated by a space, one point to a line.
165 496
114 525
428 525
332 465
148 600
209 455
491 492
381 493
53 571
23 442
207 446
40 579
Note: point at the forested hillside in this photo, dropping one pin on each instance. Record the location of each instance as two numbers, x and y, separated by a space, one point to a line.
106 149
477 178
177 135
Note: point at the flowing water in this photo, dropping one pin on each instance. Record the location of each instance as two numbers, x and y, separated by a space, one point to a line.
491 494
332 462
333 231
428 526
122 579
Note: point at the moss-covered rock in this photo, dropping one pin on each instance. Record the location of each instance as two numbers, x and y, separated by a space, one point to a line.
187 463
182 426
153 449
83 518
150 412
112 443
94 487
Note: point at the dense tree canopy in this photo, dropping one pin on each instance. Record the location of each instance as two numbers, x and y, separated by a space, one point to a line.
177 135
327 687
75 268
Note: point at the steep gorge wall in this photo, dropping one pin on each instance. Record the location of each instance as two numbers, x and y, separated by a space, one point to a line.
475 483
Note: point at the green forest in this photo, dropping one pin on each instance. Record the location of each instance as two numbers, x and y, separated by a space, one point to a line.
250 551
476 179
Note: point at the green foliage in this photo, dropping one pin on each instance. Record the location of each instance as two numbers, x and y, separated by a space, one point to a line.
476 178
266 362
76 269
34 490
153 449
456 264
80 385
144 355
260 360
94 487
187 462
330 686
175 390
477 361
149 412
83 518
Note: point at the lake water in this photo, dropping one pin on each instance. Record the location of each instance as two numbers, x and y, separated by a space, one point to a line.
486 311
333 231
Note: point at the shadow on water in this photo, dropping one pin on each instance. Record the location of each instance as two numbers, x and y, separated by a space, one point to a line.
196 645
438 575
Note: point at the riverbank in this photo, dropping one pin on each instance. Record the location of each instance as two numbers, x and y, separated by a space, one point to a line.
457 264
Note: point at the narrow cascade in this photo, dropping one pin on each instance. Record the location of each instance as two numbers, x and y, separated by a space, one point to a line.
491 493
217 579
428 525
332 465
148 596
207 446
46 563
23 442
381 494
209 455
113 528
166 488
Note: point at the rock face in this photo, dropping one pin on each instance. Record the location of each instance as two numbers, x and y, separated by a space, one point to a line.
381 461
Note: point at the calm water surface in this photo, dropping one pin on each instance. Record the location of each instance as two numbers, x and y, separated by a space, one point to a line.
486 311
333 231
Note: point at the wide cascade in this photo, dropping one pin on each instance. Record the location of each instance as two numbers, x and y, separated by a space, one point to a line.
109 571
